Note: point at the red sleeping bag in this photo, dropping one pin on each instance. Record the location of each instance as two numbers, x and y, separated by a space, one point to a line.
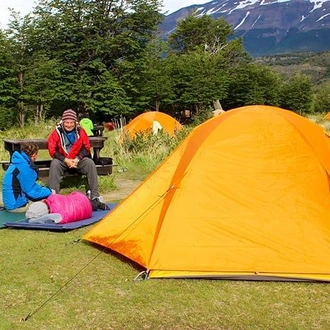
73 207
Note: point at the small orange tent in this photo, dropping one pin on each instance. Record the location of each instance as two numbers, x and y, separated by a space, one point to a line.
152 122
245 196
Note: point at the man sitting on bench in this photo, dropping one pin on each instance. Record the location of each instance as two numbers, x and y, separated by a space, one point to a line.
70 149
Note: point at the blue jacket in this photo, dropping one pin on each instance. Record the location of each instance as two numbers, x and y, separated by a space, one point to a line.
20 183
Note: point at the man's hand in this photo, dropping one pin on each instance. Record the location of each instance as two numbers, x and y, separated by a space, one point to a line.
76 161
71 163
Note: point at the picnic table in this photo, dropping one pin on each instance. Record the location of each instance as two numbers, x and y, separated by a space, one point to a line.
103 164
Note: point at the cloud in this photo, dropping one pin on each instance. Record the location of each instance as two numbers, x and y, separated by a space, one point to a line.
170 6
22 6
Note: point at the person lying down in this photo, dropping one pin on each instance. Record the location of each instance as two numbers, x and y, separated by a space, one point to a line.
63 208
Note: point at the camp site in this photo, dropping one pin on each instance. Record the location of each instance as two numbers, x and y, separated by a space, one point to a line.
202 173
227 229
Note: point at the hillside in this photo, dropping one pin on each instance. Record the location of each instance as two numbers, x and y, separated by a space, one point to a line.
314 65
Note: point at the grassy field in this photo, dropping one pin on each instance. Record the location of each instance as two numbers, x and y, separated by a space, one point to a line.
51 280
59 282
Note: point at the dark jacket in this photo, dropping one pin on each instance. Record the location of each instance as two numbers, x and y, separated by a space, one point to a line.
19 183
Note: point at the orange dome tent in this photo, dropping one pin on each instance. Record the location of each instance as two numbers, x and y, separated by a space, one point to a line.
153 122
245 196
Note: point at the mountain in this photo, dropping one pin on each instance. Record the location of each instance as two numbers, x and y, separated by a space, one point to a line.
267 27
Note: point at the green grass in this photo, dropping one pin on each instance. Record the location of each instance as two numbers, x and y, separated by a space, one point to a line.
68 284
51 280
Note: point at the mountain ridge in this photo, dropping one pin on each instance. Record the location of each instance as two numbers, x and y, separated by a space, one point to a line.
267 27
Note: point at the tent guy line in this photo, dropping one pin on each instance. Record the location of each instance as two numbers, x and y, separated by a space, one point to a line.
63 286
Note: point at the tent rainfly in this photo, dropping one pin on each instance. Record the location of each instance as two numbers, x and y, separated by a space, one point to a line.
245 196
151 122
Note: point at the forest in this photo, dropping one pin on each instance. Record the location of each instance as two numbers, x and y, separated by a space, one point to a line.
107 58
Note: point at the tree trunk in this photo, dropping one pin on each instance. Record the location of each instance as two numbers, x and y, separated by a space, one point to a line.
20 105
217 105
157 105
39 114
21 114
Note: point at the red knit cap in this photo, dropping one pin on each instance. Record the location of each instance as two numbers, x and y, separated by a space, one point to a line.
69 115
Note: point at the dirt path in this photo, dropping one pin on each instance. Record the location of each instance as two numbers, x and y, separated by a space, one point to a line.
124 188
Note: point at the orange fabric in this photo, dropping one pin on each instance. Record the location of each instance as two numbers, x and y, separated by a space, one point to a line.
246 192
327 116
144 123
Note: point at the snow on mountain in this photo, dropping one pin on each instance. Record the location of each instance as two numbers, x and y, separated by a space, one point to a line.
268 26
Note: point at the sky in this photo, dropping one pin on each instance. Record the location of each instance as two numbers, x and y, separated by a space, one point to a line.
25 6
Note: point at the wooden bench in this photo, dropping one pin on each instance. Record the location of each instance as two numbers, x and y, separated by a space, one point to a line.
103 164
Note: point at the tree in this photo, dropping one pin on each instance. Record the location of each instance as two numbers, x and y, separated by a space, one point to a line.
150 78
108 96
200 32
296 94
42 84
199 80
202 57
20 51
252 84
322 98
92 39
8 83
